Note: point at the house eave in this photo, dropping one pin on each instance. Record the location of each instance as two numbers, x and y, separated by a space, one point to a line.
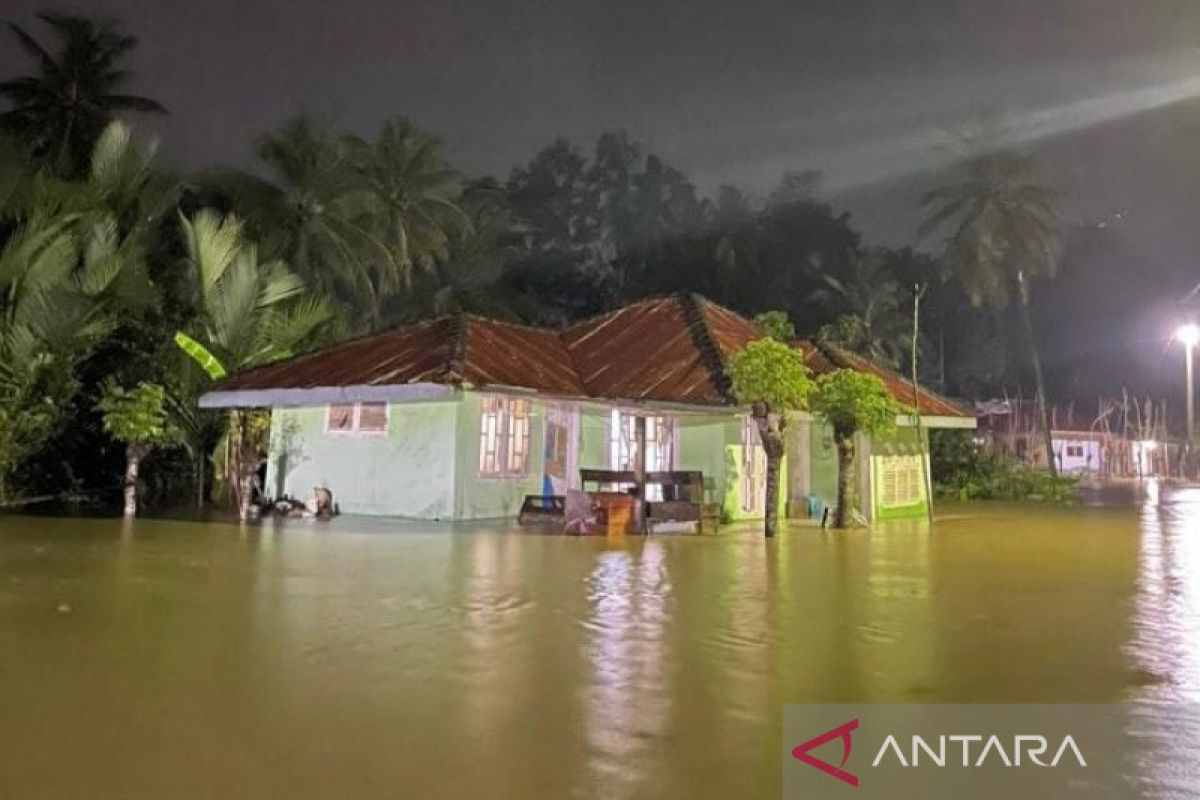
320 395
936 421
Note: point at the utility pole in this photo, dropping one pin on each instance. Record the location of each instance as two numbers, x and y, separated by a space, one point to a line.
925 465
1189 335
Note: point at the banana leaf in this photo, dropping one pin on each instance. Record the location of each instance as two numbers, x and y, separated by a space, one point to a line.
199 353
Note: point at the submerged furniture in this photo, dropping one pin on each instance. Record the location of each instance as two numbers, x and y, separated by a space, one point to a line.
542 508
682 503
614 500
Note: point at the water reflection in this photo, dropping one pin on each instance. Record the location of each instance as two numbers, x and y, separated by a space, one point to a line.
628 697
1166 640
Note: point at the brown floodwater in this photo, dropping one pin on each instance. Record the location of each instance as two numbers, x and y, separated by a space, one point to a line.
364 658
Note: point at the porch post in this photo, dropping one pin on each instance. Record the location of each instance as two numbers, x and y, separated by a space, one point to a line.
639 467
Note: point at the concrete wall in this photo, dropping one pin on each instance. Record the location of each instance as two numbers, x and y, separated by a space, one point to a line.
409 471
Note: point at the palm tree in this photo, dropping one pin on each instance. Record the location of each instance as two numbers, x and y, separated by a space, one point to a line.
868 298
250 313
1001 231
72 270
309 213
412 201
61 110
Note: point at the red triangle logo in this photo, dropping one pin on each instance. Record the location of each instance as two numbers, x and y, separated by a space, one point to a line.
801 752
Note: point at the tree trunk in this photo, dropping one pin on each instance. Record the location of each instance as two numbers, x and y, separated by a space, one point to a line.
772 445
200 479
845 493
245 495
133 457
1039 381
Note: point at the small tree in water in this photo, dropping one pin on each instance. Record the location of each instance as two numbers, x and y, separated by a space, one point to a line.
137 417
852 401
771 378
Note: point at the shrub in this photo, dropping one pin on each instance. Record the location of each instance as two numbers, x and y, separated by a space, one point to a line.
967 470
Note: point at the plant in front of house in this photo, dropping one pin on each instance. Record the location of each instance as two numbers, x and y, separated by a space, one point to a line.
138 418
852 402
771 378
777 325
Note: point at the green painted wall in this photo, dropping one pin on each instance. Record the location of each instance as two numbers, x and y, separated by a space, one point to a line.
409 471
702 447
823 461
593 438
427 464
477 497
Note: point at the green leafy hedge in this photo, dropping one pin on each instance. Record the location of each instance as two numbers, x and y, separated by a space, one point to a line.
968 471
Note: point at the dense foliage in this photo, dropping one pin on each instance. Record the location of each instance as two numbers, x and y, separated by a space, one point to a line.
852 401
966 470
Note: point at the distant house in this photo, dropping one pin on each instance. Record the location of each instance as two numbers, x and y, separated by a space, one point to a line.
461 417
1122 440
1079 451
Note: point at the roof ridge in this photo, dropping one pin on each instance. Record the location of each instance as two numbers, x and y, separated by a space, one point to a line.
509 323
570 326
456 354
692 306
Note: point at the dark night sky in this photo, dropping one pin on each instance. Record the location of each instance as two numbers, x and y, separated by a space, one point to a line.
730 92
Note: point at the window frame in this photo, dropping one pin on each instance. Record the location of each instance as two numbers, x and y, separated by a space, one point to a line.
662 444
505 436
907 481
355 428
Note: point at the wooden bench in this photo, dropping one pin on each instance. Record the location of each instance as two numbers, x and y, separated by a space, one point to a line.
607 479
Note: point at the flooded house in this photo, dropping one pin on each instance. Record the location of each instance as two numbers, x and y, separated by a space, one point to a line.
463 417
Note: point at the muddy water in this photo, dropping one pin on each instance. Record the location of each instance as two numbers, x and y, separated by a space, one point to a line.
369 659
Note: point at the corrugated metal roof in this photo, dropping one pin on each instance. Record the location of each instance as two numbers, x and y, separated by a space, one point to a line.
412 354
503 354
825 359
648 350
670 349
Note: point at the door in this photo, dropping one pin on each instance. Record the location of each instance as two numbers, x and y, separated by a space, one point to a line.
561 449
754 469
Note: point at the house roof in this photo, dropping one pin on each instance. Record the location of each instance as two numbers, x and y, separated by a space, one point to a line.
822 359
448 350
669 349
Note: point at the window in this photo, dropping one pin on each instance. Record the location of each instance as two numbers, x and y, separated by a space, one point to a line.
1074 451
557 441
503 437
351 418
660 442
901 481
340 418
660 446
